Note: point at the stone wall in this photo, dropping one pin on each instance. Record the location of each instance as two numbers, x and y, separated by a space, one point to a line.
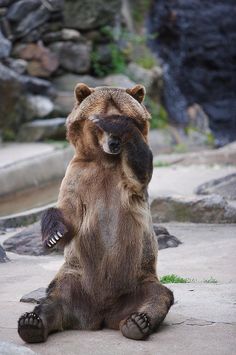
196 41
44 39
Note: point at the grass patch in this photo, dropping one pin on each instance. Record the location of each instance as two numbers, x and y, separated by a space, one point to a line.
173 279
160 164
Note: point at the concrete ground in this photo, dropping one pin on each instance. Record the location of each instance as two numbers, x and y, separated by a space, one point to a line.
202 320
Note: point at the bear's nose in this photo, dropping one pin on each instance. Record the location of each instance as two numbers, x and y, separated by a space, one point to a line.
114 144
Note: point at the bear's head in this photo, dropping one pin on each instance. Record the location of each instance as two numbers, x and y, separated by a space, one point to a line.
105 102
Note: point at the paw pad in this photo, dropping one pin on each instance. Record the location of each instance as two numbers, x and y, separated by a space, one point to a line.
137 326
31 328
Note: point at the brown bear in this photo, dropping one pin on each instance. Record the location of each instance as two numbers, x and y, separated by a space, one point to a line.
103 220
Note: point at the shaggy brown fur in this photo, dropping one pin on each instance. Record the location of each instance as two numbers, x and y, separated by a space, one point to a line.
103 219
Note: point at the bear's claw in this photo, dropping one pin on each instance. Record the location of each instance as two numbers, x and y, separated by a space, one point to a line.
53 240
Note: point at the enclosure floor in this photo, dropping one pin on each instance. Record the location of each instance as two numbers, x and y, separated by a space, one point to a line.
202 320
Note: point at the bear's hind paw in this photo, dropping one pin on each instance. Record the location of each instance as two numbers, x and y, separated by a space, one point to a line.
31 328
136 327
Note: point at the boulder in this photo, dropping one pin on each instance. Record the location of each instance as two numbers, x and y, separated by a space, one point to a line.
3 255
152 79
18 65
225 187
41 61
38 130
38 106
69 34
35 296
20 9
63 103
91 14
196 209
12 99
73 56
67 82
196 42
31 21
119 80
165 240
29 242
5 47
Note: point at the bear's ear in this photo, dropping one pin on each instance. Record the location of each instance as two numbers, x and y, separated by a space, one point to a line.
82 91
137 92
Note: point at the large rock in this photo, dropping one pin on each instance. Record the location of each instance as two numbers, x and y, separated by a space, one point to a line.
73 56
38 130
119 80
225 186
12 99
152 79
196 41
196 209
67 82
91 14
20 9
41 61
29 241
35 296
5 46
3 255
39 106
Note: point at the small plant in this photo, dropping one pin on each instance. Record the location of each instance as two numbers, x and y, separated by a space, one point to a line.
158 113
116 65
161 164
173 279
211 280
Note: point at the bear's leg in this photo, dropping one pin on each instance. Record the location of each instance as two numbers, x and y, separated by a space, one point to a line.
138 314
34 327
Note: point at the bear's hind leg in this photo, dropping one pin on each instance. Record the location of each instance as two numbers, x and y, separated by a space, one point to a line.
34 327
149 313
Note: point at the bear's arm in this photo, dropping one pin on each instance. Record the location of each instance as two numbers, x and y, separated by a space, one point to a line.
58 225
137 156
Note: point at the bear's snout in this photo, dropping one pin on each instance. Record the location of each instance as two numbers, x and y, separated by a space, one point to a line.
114 144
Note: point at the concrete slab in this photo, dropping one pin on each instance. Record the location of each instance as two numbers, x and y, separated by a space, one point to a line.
183 180
11 153
202 321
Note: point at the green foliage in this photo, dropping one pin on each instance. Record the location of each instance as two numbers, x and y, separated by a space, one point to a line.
116 65
160 164
8 135
158 113
139 10
180 148
173 279
210 139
